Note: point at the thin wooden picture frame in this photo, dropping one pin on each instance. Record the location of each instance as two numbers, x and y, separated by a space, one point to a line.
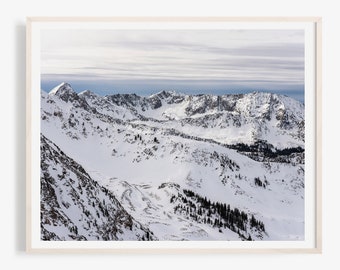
310 244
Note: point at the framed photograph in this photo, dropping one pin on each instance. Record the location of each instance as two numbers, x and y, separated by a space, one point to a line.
174 134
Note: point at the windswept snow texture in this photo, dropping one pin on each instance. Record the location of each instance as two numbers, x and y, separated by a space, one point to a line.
171 166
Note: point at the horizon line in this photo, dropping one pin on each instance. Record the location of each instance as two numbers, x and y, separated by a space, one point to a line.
214 92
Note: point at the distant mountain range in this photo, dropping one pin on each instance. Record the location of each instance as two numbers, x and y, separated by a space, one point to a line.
171 166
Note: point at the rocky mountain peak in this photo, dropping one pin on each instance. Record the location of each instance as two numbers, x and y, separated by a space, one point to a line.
61 89
64 91
87 94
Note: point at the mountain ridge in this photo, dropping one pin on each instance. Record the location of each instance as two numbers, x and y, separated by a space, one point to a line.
263 113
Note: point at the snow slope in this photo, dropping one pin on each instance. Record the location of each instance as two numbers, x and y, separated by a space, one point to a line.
75 207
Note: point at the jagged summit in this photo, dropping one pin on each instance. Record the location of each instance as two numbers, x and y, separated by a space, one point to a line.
61 89
87 93
64 91
166 94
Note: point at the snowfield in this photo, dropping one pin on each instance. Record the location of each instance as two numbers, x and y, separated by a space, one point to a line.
177 167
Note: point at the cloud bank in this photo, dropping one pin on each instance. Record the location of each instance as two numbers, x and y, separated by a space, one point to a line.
184 60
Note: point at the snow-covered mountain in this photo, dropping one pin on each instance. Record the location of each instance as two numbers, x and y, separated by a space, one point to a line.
183 167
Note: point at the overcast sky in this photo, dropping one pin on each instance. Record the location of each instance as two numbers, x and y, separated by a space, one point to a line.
190 61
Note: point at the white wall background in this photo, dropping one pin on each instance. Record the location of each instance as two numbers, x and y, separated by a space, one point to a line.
12 136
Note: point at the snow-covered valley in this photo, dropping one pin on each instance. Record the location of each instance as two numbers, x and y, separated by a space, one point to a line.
171 166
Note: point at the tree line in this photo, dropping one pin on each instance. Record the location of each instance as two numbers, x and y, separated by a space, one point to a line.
216 214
